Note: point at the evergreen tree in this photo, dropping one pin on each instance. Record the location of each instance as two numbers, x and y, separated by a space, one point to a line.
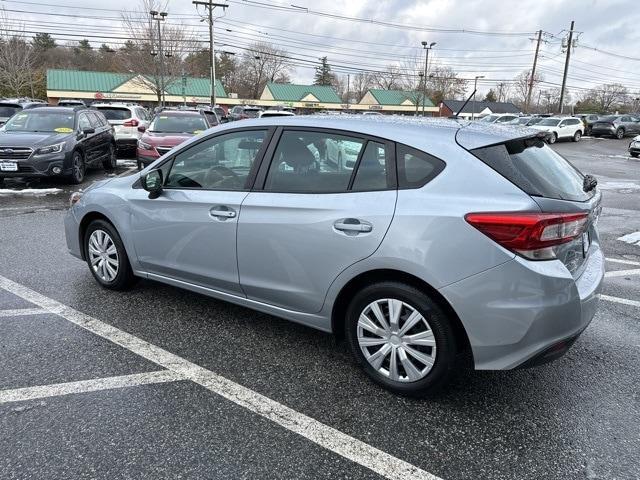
323 73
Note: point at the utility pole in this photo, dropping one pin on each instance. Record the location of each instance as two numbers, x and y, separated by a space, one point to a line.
566 68
210 5
160 17
533 72
348 86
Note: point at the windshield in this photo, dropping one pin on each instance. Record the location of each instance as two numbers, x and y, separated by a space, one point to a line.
178 124
608 118
523 120
34 121
534 121
251 113
113 113
7 111
548 122
489 118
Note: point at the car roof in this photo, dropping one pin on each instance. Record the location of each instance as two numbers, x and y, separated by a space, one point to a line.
189 113
421 133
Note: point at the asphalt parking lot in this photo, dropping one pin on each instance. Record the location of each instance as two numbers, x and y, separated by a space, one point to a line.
163 383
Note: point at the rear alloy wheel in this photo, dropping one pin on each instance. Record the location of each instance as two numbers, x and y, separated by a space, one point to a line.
78 168
106 256
112 159
553 138
620 133
577 136
401 338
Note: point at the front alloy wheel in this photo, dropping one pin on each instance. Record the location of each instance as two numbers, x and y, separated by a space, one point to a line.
103 256
620 133
77 168
396 340
111 161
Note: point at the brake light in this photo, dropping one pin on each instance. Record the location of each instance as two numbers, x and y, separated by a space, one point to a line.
131 123
532 235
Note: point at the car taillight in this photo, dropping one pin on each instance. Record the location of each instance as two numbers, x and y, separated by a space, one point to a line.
131 123
532 235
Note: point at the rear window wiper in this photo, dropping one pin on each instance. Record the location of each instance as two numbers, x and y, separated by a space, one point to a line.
589 183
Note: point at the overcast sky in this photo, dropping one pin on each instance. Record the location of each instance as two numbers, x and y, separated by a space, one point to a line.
608 25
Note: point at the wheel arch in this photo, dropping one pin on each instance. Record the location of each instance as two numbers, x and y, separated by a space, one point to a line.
372 276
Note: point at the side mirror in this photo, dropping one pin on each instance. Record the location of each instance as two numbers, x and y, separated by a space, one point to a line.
142 128
152 183
88 131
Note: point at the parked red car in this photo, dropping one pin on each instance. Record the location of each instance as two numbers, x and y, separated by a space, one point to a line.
168 129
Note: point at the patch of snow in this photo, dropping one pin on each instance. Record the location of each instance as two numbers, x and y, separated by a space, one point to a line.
127 163
631 238
30 192
618 186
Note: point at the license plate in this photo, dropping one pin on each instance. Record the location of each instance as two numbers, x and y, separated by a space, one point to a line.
8 166
586 241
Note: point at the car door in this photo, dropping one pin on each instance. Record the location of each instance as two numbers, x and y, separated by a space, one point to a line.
308 217
102 137
89 140
188 233
634 125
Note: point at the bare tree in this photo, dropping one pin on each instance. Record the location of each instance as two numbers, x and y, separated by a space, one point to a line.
360 84
608 96
390 79
503 89
260 64
444 84
17 58
521 85
143 54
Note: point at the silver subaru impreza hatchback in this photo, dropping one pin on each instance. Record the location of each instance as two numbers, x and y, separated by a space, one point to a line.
416 240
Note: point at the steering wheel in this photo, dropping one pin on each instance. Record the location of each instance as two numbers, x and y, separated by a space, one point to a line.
224 170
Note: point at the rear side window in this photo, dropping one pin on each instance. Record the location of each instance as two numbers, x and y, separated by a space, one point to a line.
416 168
113 113
536 169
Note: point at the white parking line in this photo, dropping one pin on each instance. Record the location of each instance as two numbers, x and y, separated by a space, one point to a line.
16 312
618 260
622 273
323 435
623 301
94 385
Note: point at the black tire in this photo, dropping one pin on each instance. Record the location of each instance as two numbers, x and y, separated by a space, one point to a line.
553 138
78 168
577 136
112 160
620 133
633 154
124 278
596 136
437 320
587 131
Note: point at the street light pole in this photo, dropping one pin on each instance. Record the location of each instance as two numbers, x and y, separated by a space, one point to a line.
160 17
426 46
475 88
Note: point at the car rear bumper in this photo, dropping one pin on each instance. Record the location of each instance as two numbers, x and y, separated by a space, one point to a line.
603 131
127 142
525 312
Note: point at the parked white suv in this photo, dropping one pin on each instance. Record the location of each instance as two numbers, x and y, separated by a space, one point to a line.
569 127
125 119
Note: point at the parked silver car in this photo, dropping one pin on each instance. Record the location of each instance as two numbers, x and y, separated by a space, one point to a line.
445 237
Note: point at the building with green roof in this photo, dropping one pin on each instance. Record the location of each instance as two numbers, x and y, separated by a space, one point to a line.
126 87
290 93
398 100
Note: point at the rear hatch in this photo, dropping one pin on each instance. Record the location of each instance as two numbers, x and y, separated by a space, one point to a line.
554 184
121 120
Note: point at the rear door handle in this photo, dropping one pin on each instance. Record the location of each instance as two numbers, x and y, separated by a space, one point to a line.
222 212
352 225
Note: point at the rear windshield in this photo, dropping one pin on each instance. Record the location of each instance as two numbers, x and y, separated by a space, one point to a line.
8 110
113 113
536 169
178 124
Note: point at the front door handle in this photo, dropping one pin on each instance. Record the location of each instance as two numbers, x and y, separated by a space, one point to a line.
222 212
352 226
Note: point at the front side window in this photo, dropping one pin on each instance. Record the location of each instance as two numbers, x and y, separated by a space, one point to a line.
83 122
219 163
94 120
313 162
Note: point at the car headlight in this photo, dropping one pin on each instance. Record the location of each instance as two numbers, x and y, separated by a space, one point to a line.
57 148
144 146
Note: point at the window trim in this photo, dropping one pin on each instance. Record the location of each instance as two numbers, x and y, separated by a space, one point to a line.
261 179
252 172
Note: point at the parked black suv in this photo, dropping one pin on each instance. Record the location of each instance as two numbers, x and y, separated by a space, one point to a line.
8 108
56 142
